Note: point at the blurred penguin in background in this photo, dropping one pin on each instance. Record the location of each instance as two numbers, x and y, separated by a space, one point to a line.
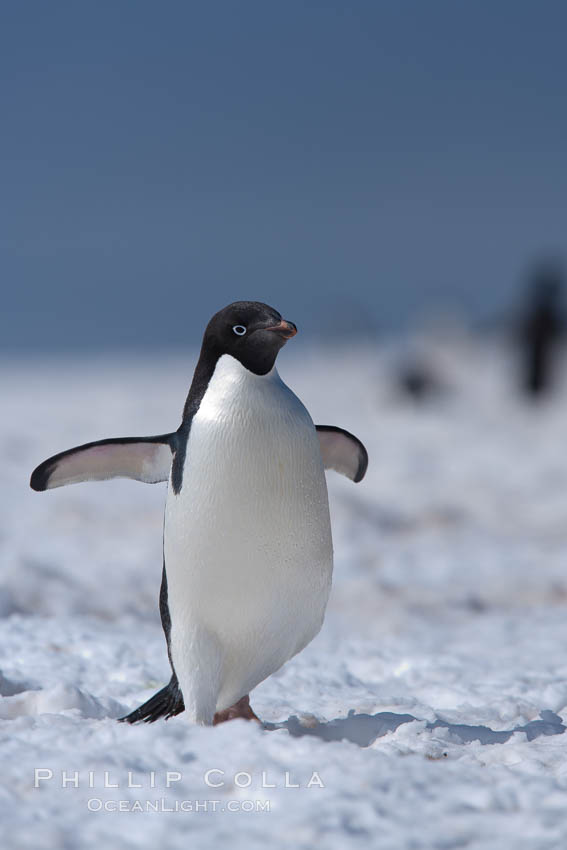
419 381
540 330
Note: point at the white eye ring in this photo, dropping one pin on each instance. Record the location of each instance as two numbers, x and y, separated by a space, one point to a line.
239 330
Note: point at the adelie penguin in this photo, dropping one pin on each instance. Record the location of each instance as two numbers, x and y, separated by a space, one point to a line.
248 555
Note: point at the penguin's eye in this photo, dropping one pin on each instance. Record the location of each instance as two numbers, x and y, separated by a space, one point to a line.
239 330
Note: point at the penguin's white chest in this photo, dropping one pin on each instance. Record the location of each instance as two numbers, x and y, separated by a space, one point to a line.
247 540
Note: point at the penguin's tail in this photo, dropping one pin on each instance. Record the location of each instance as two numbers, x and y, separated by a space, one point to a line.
166 703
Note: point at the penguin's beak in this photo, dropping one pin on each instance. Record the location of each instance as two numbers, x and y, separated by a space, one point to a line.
284 328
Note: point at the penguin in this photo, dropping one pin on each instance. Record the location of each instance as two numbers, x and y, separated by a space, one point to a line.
247 546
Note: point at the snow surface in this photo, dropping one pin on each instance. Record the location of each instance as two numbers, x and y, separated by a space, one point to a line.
431 706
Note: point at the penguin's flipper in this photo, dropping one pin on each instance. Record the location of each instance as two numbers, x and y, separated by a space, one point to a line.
145 459
166 703
342 452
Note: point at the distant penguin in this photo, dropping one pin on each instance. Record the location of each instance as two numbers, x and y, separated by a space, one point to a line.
540 331
418 381
248 554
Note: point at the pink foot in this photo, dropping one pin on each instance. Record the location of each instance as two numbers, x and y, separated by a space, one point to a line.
239 709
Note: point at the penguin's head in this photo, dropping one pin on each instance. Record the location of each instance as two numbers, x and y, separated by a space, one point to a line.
249 331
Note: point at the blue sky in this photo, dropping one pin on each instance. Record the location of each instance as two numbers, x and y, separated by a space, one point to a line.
363 160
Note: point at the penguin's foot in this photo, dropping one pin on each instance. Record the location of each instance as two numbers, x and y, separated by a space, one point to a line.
241 708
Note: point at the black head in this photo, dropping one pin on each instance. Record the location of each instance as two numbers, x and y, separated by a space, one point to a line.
249 331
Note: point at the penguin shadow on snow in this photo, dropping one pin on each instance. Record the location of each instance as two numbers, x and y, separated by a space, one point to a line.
364 729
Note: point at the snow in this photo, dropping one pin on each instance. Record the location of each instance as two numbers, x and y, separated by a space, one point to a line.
432 705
